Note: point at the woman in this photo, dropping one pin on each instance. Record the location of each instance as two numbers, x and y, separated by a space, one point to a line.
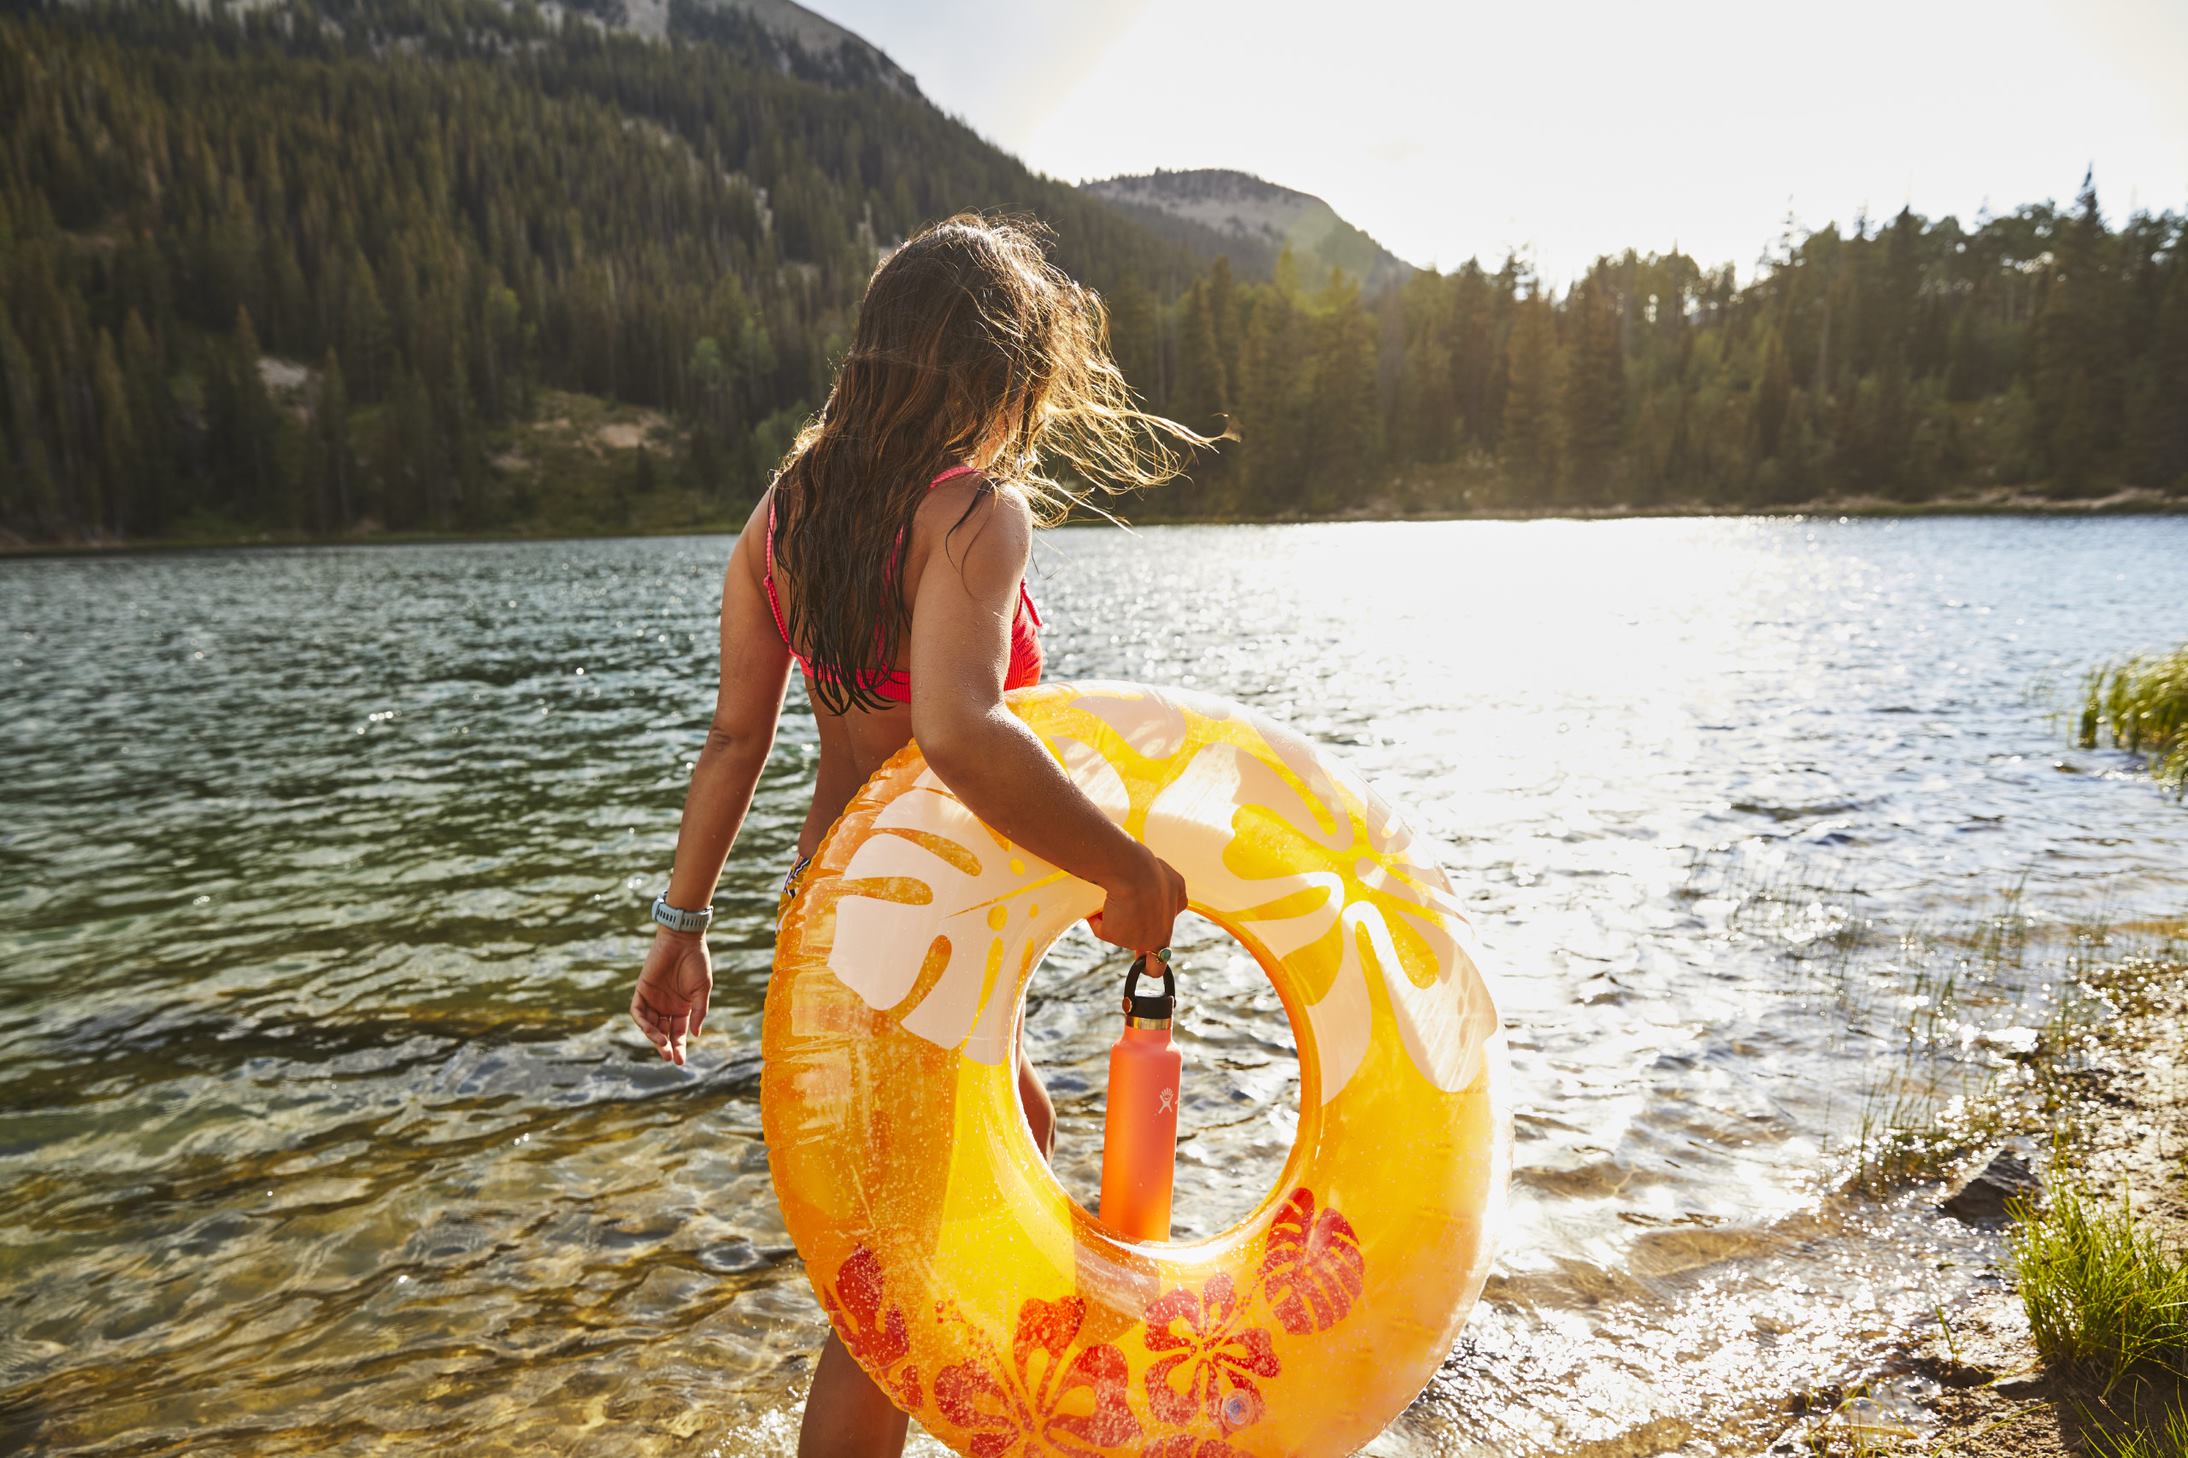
890 552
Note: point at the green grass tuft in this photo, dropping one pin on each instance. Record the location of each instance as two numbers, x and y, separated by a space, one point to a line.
2167 1439
2143 704
2106 1299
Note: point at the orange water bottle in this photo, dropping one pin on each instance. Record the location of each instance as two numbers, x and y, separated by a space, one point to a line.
1140 1129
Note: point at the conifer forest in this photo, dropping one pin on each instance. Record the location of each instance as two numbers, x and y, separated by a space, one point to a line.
335 267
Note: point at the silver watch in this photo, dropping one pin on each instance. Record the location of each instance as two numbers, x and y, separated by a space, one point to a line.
678 920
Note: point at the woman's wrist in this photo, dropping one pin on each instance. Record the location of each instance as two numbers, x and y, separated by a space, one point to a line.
691 897
677 917
1126 863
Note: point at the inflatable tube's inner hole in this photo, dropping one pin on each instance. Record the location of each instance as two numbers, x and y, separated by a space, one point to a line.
1239 1097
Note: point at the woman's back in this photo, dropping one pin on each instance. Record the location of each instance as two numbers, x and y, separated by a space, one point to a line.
858 739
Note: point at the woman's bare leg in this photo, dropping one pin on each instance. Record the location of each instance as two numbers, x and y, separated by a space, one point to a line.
1040 1112
846 1415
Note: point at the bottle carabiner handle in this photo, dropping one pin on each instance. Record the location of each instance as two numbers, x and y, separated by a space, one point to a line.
1150 1005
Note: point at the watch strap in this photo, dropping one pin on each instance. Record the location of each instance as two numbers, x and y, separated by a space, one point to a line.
677 919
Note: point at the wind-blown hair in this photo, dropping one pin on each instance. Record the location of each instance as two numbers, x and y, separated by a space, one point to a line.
968 334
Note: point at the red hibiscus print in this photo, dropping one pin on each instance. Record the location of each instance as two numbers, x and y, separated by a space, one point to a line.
1185 1445
1312 1267
1035 1408
878 1339
1213 1359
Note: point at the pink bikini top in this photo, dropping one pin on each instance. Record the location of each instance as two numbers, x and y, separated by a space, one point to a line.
895 685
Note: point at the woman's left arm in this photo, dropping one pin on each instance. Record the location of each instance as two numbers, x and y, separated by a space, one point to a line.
670 1001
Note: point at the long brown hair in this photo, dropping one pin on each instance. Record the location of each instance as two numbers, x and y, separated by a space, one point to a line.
967 333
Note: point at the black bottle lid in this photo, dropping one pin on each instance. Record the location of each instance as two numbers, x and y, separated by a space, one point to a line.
1150 1009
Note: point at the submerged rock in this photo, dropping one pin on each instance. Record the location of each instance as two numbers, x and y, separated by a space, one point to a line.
1983 1199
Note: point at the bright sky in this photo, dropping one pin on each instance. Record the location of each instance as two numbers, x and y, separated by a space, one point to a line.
1571 127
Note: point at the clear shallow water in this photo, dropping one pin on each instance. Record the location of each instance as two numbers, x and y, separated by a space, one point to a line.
322 882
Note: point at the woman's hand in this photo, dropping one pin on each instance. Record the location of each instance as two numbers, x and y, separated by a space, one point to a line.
1142 905
671 999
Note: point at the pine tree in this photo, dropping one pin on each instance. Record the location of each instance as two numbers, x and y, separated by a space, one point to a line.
1773 396
1424 410
409 462
1223 310
1427 420
117 443
244 448
1965 374
366 339
1343 448
1132 332
27 493
712 417
2160 434
1273 403
1591 400
2075 386
1480 311
151 498
502 385
336 451
1204 385
1529 432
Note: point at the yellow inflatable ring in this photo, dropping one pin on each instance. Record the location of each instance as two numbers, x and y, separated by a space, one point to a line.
962 1277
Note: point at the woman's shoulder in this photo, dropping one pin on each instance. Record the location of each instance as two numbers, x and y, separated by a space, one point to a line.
976 512
976 496
755 538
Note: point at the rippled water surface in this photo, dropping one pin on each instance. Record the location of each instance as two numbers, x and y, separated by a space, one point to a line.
322 885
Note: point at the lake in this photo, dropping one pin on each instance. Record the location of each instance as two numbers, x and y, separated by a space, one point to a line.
323 881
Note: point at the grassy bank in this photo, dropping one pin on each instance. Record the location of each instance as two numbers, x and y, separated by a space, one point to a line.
2015 1043
2074 1339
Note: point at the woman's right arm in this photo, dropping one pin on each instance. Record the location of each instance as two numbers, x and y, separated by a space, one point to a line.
748 705
670 1002
959 656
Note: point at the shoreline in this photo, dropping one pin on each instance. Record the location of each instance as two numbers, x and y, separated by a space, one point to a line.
2122 503
1973 1384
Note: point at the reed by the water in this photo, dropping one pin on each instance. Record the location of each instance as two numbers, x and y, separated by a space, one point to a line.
2142 704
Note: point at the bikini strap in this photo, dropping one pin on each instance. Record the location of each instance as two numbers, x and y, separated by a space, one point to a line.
774 606
940 477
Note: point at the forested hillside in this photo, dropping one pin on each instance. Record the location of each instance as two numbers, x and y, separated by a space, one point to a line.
382 265
439 208
1909 362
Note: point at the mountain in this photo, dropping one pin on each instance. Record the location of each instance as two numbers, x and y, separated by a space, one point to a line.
822 40
794 40
1216 211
